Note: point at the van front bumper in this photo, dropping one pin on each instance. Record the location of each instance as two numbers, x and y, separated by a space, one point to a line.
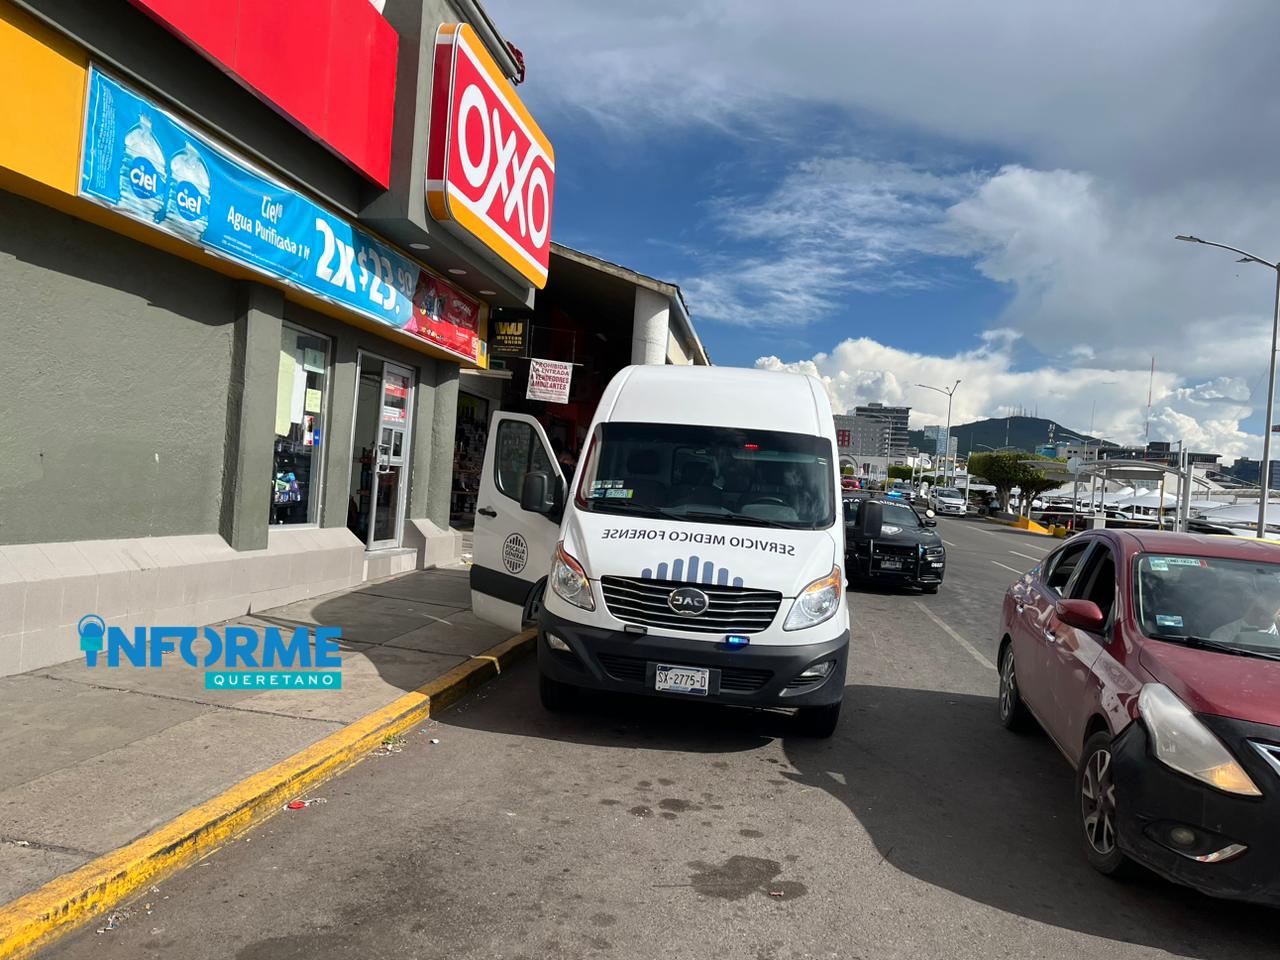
758 676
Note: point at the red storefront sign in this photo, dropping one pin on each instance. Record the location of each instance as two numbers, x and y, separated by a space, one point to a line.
445 315
490 168
329 66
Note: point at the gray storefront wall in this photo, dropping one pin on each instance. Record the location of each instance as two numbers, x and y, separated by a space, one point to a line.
139 391
140 396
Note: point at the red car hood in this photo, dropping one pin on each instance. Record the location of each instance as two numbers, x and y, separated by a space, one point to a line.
1243 688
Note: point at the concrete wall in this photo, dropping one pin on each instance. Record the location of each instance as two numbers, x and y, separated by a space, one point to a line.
114 365
650 328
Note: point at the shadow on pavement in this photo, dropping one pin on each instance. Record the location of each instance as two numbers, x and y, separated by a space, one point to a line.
616 720
953 799
946 795
403 631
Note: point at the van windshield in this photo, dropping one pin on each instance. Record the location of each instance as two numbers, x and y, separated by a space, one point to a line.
711 475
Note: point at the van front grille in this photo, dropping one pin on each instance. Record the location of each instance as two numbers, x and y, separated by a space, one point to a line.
729 610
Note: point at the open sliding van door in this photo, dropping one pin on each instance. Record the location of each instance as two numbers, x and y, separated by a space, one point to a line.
518 511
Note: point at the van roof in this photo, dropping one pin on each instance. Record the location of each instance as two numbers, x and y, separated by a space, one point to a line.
722 397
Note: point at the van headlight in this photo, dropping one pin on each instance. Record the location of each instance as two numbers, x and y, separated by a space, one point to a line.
569 581
817 602
1183 743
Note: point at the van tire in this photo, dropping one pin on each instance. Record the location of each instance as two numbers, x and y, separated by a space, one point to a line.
819 722
556 697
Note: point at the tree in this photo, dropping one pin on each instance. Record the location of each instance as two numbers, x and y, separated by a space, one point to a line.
900 473
1004 471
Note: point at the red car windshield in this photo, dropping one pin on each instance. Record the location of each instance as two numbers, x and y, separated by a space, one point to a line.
1234 604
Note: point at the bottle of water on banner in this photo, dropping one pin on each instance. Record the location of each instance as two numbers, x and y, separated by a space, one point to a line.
142 172
187 214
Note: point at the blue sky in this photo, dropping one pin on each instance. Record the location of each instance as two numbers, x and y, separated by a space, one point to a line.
886 194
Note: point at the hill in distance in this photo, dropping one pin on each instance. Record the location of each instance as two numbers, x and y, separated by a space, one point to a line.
1020 433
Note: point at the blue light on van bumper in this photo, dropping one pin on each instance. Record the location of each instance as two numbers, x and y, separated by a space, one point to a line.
736 640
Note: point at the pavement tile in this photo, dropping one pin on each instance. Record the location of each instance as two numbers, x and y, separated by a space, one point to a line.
22 869
372 677
114 797
462 633
70 722
431 586
368 618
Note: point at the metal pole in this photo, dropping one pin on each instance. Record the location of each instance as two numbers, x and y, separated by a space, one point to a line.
1266 427
946 450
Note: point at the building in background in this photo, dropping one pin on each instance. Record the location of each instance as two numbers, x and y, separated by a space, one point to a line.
1158 451
594 318
895 420
1249 471
936 442
872 436
247 252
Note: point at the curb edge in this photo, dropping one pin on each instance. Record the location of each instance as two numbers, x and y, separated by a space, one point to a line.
37 918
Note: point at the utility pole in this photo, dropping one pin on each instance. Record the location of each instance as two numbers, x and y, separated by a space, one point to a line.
1265 496
949 463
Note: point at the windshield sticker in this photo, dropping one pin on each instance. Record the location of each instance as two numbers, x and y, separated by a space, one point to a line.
1158 564
1178 562
619 494
600 488
1168 620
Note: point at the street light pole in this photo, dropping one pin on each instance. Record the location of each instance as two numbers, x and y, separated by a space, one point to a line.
948 468
1265 496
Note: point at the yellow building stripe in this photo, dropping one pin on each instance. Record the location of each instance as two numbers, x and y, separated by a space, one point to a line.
32 921
43 76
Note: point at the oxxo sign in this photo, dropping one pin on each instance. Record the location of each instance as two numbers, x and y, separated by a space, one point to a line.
490 169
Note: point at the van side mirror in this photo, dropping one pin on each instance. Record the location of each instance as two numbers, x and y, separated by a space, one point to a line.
537 495
871 519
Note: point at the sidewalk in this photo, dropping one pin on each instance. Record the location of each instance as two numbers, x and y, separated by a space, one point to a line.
94 759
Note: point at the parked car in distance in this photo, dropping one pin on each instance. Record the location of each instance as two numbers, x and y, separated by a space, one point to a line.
908 550
949 501
1152 659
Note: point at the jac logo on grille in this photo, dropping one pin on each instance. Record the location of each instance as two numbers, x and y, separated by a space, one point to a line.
688 601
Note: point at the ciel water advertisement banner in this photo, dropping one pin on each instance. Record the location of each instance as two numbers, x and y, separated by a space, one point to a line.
140 160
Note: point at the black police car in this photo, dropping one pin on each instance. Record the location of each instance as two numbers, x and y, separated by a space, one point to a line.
908 550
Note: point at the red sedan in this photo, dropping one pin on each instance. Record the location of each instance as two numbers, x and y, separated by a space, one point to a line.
1153 662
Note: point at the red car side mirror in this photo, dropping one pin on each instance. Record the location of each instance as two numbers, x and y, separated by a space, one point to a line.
1083 614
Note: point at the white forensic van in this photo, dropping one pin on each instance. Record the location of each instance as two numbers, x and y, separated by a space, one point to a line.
697 552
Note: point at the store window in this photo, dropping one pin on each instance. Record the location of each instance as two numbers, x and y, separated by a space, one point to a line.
468 456
300 398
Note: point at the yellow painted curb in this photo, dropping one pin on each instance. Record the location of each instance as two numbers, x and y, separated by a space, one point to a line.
33 920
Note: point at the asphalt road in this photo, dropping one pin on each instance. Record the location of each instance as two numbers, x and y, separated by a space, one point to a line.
922 829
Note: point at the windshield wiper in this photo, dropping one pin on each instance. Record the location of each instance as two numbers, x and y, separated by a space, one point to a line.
733 518
627 506
1204 643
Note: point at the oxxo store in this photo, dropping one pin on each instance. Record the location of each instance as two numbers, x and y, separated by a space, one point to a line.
234 320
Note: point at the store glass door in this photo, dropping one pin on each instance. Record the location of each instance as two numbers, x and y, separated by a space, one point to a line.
380 454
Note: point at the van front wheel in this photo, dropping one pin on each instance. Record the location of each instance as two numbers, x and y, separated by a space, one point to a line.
818 722
556 697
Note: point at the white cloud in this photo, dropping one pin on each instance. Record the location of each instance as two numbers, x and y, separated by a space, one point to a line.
1119 125
863 370
1145 90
